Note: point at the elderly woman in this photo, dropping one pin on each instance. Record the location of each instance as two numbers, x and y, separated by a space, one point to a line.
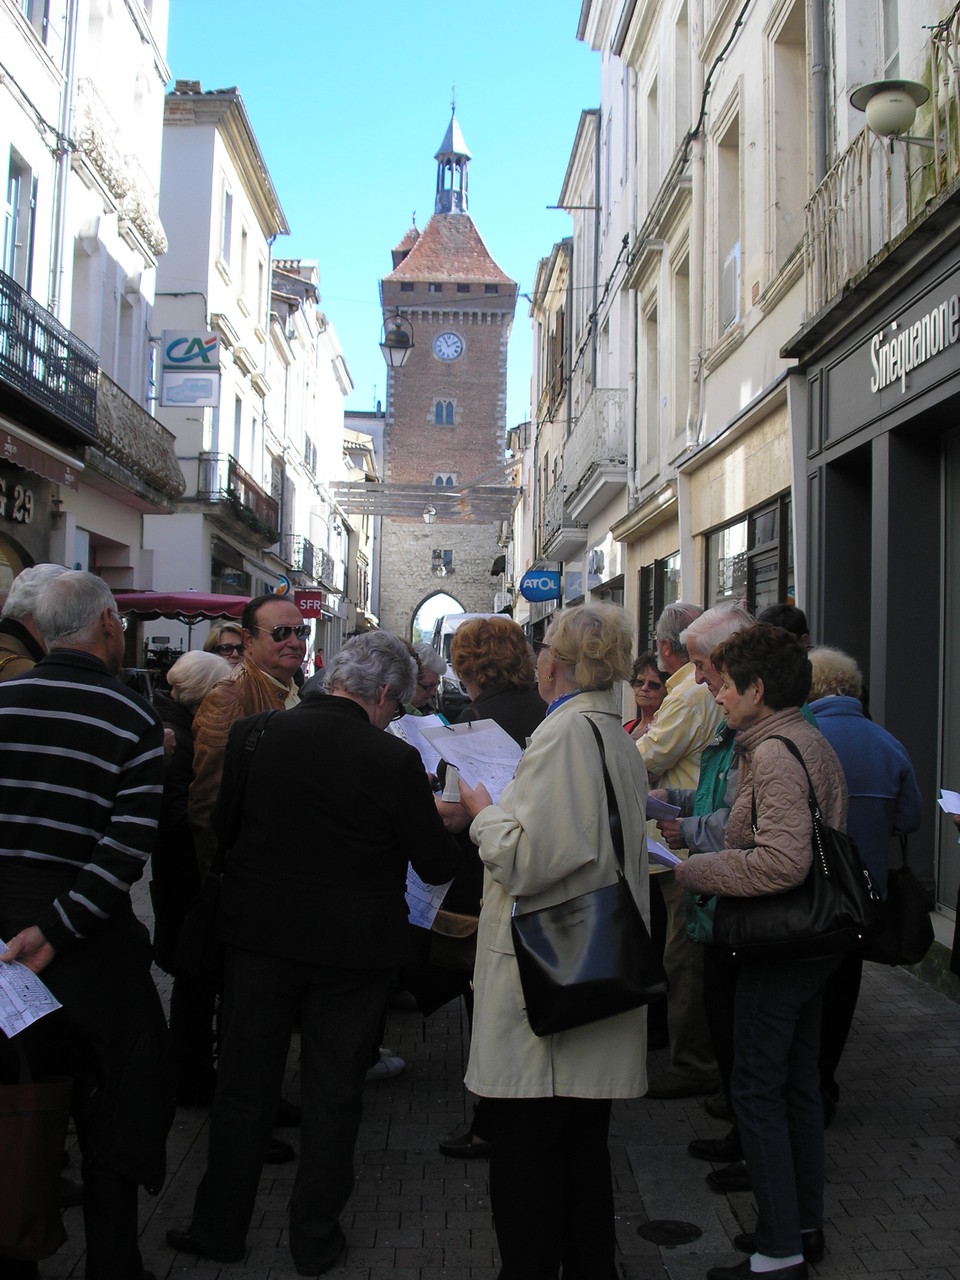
313 918
884 802
432 667
775 1086
649 686
225 639
547 840
176 877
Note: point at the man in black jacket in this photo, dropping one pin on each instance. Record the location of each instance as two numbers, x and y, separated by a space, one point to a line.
313 916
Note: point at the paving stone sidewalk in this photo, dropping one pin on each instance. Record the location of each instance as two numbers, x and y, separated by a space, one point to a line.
893 1165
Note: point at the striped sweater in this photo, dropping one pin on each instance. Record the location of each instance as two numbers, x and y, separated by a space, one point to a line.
81 780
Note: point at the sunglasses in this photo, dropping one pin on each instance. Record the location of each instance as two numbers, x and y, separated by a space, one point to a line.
279 634
537 645
653 685
225 650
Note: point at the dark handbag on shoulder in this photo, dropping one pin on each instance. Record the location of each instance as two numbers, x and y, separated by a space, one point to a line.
199 955
590 957
33 1129
833 911
906 932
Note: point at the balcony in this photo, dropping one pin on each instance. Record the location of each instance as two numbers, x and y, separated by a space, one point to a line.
878 192
595 454
47 364
222 481
98 158
298 552
561 536
328 572
133 448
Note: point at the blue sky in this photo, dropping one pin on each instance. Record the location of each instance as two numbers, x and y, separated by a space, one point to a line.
350 101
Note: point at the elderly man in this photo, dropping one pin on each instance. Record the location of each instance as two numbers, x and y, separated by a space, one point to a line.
313 916
274 646
670 749
82 779
21 645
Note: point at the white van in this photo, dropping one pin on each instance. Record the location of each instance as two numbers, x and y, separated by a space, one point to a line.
452 697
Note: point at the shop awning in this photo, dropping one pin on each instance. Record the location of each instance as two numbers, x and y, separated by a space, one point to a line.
186 606
24 449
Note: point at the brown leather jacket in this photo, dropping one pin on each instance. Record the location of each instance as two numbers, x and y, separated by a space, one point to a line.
246 693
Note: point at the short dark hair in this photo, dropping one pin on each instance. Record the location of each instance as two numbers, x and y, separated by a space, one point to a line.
771 654
644 662
248 619
787 616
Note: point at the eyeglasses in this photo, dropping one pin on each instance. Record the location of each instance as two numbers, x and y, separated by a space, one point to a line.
279 634
653 685
225 650
428 686
121 619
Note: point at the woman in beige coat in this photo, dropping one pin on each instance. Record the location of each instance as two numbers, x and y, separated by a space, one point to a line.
775 1086
548 840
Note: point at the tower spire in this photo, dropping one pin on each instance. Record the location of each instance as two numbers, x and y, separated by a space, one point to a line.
452 159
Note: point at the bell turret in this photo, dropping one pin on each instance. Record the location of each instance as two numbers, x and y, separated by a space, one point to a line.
452 160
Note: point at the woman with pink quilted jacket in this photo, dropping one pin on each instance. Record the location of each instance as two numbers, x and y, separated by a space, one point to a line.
775 1084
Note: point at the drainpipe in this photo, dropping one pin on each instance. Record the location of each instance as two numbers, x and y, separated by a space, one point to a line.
596 248
819 77
58 227
694 407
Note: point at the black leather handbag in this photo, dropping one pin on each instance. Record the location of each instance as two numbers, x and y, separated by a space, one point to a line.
834 910
589 957
906 932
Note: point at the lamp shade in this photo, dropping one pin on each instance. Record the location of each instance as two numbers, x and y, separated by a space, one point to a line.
397 341
890 105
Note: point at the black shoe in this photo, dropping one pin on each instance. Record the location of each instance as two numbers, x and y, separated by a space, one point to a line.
811 1241
718 1106
289 1115
325 1257
278 1152
732 1177
187 1242
717 1150
796 1271
465 1147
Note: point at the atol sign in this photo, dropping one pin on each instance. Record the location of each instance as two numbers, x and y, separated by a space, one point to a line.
189 369
310 603
540 584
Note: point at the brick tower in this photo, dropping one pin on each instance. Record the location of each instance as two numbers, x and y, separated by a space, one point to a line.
446 408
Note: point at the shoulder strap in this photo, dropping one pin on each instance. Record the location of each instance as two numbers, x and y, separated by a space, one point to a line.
616 826
795 751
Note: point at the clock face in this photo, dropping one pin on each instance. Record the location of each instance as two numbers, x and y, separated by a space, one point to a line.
447 346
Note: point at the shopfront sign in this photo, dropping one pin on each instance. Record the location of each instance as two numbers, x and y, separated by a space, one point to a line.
905 345
540 584
310 603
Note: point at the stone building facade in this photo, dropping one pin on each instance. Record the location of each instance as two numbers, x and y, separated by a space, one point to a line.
444 431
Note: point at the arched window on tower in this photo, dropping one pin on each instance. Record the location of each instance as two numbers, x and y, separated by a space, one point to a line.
448 413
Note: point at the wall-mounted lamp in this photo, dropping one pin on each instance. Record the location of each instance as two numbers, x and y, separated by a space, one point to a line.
429 513
891 107
397 341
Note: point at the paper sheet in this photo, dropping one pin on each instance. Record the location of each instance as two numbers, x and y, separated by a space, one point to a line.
23 997
949 801
410 729
481 750
659 853
424 900
658 810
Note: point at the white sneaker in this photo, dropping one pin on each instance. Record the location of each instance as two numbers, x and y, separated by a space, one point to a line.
387 1067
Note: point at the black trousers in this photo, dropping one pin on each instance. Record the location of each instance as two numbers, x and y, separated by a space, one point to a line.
340 1012
551 1188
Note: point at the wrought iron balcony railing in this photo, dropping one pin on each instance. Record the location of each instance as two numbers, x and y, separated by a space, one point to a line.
876 190
298 552
220 478
46 362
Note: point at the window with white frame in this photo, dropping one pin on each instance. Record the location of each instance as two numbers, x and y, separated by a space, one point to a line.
681 346
653 145
19 215
728 224
651 358
226 224
788 118
681 77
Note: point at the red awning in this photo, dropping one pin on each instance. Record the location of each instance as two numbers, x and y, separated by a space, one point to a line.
187 606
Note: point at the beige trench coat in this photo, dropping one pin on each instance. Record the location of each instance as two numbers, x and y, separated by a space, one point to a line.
548 840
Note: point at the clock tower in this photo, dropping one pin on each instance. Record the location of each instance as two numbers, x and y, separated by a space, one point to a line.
444 432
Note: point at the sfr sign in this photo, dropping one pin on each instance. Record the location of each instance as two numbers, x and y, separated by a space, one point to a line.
310 603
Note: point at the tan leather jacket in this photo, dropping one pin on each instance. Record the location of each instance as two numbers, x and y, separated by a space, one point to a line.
248 692
779 854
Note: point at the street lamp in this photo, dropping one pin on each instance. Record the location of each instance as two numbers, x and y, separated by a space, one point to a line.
397 341
891 107
429 513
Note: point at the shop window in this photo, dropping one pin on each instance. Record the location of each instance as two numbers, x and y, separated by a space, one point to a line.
659 586
750 560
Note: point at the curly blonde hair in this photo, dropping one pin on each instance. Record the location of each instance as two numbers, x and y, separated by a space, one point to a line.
835 674
596 640
490 652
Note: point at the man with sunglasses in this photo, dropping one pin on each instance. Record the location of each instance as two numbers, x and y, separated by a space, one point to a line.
274 646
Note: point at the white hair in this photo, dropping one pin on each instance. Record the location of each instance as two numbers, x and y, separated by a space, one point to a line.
193 676
27 587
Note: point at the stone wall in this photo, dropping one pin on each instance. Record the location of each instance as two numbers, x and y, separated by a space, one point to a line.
407 577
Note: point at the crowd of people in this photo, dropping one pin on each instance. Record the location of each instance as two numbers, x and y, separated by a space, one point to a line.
733 717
